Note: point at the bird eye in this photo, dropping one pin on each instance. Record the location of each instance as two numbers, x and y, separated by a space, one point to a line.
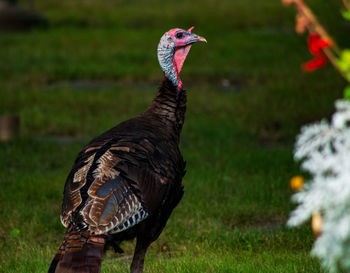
179 35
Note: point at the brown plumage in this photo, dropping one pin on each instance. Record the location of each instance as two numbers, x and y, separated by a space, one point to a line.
80 252
124 184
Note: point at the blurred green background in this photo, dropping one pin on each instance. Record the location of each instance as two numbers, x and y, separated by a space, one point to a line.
95 65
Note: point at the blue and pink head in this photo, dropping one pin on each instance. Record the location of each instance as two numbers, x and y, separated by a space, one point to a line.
172 52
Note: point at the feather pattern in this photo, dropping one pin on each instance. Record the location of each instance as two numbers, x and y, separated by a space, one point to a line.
127 181
121 177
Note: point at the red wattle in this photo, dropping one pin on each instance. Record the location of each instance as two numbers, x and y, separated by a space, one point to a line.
180 57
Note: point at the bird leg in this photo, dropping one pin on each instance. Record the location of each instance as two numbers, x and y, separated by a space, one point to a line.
116 247
139 256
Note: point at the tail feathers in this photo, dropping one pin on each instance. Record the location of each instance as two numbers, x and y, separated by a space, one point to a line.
79 253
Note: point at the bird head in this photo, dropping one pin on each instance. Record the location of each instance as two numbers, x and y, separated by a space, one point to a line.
173 49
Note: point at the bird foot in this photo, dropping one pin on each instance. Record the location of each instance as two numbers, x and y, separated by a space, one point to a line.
117 248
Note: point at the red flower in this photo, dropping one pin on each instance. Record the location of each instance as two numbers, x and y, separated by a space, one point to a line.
316 45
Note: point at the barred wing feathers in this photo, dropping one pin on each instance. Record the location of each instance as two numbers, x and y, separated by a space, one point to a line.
115 183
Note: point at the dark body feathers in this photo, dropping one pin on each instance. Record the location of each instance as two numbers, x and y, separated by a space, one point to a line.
124 184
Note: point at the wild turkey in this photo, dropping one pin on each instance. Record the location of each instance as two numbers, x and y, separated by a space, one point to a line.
126 182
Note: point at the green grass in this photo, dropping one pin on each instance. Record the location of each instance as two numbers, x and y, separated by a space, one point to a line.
95 65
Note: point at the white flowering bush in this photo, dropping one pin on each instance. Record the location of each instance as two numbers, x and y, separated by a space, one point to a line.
324 149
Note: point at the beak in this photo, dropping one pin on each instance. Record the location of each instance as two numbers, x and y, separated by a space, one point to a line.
194 38
202 39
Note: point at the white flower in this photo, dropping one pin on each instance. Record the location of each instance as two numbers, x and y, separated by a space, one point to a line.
324 150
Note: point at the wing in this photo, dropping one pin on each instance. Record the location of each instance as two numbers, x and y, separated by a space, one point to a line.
116 184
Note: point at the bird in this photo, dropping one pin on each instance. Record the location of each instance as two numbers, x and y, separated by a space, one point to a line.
125 183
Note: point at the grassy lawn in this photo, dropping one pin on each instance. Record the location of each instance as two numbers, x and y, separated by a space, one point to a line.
96 65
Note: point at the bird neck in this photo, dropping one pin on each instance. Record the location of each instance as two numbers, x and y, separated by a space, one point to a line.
166 53
169 107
